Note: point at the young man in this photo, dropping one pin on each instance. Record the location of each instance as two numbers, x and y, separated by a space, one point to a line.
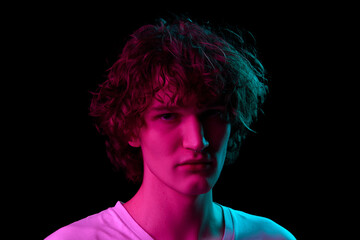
175 107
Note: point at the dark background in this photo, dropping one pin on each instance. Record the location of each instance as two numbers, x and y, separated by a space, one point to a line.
64 52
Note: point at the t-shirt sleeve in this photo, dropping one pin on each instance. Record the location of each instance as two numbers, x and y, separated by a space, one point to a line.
66 233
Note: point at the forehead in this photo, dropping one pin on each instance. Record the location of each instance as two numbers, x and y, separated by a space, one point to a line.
169 98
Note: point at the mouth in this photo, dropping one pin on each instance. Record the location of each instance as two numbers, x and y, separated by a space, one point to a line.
196 165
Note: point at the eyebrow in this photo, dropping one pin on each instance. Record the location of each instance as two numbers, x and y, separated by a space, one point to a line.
162 108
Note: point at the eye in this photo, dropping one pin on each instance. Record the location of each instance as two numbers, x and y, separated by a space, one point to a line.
212 113
168 116
215 113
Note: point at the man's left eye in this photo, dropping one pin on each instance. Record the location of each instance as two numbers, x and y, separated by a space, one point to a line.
213 112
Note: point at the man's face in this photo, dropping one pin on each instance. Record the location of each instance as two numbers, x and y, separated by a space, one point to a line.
184 147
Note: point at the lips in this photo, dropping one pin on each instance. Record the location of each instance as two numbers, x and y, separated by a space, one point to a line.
202 165
195 162
197 167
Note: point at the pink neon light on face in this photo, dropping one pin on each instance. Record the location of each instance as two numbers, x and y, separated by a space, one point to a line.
184 147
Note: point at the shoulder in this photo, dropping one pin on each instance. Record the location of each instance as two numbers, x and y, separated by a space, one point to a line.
86 228
251 226
69 232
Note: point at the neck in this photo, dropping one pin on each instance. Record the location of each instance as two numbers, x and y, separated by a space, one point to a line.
185 216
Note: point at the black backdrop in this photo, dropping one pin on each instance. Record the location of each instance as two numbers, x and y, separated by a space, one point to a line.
68 50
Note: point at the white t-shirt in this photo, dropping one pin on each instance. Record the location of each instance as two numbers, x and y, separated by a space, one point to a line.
116 223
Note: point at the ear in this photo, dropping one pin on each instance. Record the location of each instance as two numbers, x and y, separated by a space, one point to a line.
134 142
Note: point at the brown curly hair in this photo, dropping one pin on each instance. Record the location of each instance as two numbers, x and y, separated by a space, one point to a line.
193 60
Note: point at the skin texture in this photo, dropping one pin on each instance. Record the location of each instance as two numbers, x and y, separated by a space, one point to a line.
184 150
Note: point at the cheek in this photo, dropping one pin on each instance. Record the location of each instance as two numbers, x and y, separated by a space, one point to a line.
157 143
218 136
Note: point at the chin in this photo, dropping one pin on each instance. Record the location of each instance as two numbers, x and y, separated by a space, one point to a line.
198 187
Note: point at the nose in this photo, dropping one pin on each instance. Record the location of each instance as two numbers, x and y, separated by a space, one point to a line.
193 135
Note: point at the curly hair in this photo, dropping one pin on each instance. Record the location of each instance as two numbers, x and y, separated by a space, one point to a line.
186 58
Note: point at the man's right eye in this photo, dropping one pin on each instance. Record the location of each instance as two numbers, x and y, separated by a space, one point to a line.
168 116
